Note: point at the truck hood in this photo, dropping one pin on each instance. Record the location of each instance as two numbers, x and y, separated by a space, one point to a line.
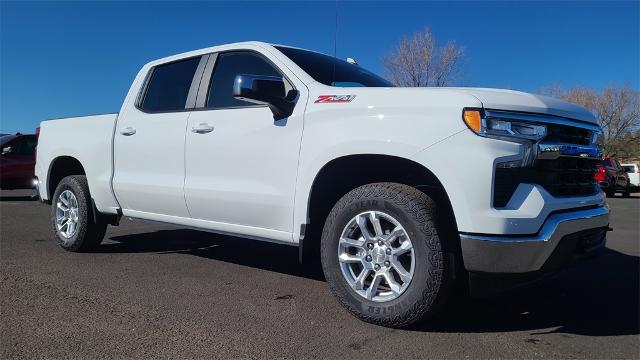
509 100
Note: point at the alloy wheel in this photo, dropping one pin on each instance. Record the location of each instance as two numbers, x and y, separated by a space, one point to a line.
376 256
67 214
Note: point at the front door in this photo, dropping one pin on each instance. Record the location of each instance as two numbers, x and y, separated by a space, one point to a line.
241 165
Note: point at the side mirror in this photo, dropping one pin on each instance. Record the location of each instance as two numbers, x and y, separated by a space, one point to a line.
265 90
6 150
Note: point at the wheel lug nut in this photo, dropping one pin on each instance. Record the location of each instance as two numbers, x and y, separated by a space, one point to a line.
377 267
370 245
388 251
368 258
380 242
386 263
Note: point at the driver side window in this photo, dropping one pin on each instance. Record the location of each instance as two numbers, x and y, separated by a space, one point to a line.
228 65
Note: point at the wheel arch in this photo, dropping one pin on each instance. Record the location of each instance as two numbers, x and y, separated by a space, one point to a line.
345 173
61 167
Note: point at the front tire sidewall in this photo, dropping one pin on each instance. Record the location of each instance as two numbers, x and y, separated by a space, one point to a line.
425 287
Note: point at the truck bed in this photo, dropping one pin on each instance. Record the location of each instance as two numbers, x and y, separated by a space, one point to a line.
89 139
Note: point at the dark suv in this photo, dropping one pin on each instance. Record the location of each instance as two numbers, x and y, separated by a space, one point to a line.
17 161
612 177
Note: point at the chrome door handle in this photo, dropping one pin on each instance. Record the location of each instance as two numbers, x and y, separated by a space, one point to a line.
203 128
128 131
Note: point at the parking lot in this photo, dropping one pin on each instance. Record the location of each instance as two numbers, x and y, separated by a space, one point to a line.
157 291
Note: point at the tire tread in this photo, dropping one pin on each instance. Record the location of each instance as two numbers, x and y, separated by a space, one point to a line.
422 209
89 233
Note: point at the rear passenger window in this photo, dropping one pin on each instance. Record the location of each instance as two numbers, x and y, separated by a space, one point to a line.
24 145
228 65
168 88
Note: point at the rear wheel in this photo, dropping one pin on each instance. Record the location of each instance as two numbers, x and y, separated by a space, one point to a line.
382 256
72 216
627 191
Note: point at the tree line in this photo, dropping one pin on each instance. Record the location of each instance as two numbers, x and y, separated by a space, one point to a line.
418 60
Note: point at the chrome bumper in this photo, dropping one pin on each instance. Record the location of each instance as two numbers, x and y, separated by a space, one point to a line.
509 254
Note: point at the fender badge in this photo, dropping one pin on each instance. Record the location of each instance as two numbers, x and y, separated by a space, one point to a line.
335 98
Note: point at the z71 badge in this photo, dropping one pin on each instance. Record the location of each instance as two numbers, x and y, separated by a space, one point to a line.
335 98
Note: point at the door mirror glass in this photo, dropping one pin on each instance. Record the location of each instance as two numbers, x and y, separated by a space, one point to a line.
265 90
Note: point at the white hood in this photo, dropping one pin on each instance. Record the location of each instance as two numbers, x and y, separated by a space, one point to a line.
498 99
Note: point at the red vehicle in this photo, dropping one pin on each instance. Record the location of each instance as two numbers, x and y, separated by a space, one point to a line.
612 177
18 160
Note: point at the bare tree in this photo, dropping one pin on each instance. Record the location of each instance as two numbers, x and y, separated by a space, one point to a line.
617 110
418 61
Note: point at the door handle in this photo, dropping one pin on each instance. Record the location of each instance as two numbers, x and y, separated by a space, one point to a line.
128 131
202 128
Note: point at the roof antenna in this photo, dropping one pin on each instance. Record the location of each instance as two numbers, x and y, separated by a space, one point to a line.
335 34
335 45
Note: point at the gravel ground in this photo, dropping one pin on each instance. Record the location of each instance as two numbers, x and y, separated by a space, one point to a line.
157 291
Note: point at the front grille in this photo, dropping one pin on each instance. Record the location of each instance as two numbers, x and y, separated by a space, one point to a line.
565 134
561 177
565 176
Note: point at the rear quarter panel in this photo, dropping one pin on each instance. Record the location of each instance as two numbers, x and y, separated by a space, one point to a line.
87 139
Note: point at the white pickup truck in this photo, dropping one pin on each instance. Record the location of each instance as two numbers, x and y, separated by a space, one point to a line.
400 192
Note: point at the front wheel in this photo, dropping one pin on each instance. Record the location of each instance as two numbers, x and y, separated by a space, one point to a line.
627 191
382 255
72 216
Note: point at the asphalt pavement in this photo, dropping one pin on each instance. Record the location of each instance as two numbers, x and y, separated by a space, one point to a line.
157 291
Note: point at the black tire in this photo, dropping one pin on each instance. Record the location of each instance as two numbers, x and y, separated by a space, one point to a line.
88 233
627 191
610 191
433 277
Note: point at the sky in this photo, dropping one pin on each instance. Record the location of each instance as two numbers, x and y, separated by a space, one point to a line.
61 59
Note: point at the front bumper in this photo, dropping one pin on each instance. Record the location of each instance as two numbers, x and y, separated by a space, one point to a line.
562 235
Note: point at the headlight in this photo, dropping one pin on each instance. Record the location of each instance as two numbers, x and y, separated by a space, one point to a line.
502 128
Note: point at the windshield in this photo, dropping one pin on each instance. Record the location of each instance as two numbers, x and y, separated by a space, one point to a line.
6 138
331 71
628 169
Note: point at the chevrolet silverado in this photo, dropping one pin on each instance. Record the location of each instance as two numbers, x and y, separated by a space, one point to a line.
296 147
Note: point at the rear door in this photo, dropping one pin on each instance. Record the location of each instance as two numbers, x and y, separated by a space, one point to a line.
241 165
149 141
